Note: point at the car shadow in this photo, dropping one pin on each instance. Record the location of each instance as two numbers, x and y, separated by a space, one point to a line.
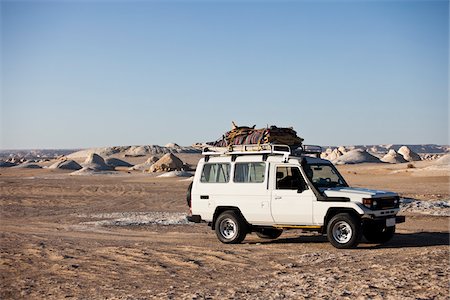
294 240
400 240
417 239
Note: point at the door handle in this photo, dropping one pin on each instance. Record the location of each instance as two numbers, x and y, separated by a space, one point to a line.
204 197
277 197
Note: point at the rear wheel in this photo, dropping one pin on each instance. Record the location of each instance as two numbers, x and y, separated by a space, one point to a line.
189 195
344 231
230 228
269 233
378 234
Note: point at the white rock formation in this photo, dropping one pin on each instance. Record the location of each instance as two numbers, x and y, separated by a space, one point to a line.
96 163
172 145
335 154
342 149
355 157
146 165
115 162
136 151
393 157
169 162
66 165
408 154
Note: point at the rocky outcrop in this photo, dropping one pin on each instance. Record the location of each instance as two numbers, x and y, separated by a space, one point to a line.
146 165
356 156
393 157
168 162
408 154
115 162
96 163
66 165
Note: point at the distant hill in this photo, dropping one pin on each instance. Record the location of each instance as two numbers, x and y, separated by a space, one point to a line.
174 148
35 153
421 149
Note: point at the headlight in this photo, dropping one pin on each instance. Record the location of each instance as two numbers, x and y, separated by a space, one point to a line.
367 202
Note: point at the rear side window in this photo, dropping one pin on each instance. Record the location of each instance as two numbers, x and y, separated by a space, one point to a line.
249 172
216 173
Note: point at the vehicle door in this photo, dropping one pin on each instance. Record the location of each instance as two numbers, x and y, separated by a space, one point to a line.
291 200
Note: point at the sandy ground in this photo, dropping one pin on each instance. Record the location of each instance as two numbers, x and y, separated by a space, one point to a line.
58 241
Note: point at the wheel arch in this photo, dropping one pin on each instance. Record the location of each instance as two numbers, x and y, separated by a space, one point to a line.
332 211
221 209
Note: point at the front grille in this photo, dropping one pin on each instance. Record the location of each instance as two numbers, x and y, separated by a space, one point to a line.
387 203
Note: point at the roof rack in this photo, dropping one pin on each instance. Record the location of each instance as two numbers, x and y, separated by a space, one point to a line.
247 149
264 149
308 150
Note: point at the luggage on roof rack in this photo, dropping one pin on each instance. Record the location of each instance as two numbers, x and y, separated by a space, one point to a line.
244 135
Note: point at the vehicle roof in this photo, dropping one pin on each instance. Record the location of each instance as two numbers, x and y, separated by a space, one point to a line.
270 158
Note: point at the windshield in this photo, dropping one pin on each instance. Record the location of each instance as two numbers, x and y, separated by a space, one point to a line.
324 176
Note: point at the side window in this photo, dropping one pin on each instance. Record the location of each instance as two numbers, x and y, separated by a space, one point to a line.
216 173
289 178
252 172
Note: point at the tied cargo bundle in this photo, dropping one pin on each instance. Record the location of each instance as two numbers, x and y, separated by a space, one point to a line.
244 135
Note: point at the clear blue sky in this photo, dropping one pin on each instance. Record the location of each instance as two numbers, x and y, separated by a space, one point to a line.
103 73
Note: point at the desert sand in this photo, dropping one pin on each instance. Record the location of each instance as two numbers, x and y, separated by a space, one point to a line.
123 235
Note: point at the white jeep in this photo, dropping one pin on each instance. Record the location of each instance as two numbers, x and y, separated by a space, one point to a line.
266 189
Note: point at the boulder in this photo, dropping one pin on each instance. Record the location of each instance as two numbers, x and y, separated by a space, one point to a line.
325 153
335 154
169 162
393 157
342 149
84 171
115 162
96 163
146 165
66 165
356 156
408 154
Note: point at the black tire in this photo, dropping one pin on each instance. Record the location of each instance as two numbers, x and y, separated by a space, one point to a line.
378 234
230 227
269 233
189 195
344 231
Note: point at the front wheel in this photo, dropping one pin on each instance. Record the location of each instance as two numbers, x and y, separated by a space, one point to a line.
344 231
378 234
230 228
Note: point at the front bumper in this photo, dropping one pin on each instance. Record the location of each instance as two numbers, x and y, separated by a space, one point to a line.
382 220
